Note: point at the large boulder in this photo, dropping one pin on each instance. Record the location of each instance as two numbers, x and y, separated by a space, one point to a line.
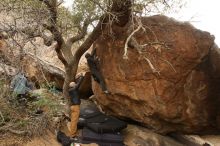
170 86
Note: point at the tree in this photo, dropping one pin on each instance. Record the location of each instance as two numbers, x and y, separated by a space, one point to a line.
98 13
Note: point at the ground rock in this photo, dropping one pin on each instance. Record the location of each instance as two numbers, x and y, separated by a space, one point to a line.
139 136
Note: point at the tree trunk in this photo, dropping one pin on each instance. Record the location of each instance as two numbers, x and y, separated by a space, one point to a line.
122 9
69 76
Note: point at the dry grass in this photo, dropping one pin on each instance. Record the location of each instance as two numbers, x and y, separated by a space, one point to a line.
19 122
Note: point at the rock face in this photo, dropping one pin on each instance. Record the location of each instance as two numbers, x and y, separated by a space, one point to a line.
42 72
40 63
181 94
85 89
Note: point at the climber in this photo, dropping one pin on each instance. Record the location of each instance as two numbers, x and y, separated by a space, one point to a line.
75 106
92 61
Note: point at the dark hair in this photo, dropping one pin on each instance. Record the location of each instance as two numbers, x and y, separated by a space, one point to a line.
87 55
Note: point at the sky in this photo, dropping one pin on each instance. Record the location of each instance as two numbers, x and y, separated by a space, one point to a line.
203 14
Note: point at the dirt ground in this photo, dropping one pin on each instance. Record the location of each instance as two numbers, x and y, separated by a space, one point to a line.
47 140
50 139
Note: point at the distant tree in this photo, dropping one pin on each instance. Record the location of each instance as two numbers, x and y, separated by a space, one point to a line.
37 18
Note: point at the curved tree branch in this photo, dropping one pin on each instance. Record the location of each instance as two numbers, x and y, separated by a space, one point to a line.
52 7
81 35
97 31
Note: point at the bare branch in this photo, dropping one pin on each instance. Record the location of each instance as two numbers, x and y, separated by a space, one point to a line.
97 31
60 55
125 56
60 42
81 35
52 7
154 70
166 3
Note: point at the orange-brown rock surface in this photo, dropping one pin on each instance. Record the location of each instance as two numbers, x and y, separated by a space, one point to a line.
85 89
182 95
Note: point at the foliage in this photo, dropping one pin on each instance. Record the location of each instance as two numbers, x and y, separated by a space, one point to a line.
66 21
51 105
32 13
50 86
25 11
35 13
22 119
85 8
150 7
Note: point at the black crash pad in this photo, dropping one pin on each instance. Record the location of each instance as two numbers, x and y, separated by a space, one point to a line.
90 136
105 124
92 118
